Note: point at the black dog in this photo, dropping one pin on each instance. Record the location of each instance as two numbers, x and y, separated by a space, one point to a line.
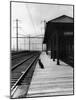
40 63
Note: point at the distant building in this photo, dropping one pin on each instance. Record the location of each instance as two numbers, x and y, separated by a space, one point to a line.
59 39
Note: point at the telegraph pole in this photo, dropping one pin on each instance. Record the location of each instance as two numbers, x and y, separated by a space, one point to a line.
44 25
24 43
44 21
17 33
29 42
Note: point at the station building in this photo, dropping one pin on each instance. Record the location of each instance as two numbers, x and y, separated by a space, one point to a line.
59 39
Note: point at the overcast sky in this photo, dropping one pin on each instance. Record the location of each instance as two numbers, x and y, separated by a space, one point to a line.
31 16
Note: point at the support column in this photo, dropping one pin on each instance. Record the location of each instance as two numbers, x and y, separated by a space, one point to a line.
57 48
17 33
42 46
53 50
47 48
29 43
24 44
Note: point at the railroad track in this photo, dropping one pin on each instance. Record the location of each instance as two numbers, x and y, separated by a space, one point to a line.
22 73
19 55
19 59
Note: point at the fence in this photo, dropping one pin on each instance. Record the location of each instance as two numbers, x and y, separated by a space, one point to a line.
27 43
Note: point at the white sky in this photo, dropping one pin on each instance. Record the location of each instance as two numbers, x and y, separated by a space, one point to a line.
31 15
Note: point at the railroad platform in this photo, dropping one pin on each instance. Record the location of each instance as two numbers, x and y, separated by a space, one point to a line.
52 80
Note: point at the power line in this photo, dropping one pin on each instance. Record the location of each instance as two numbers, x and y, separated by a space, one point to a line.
18 20
19 28
24 35
30 16
22 30
17 32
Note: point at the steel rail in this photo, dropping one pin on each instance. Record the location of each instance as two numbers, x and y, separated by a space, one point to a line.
23 74
20 63
16 56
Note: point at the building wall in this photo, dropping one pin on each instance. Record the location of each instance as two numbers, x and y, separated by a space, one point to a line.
63 47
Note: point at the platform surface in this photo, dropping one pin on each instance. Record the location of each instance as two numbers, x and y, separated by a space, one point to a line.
52 80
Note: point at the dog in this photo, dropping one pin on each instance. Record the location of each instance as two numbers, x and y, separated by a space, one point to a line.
40 64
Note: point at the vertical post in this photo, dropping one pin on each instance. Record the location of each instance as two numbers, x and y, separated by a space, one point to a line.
11 28
44 32
57 48
53 50
17 32
42 42
44 25
24 43
29 42
44 21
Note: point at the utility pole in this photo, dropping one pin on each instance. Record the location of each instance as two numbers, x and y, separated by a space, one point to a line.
24 43
17 33
44 21
29 42
44 24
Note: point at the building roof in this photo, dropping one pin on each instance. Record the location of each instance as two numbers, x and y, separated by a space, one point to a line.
63 23
62 19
